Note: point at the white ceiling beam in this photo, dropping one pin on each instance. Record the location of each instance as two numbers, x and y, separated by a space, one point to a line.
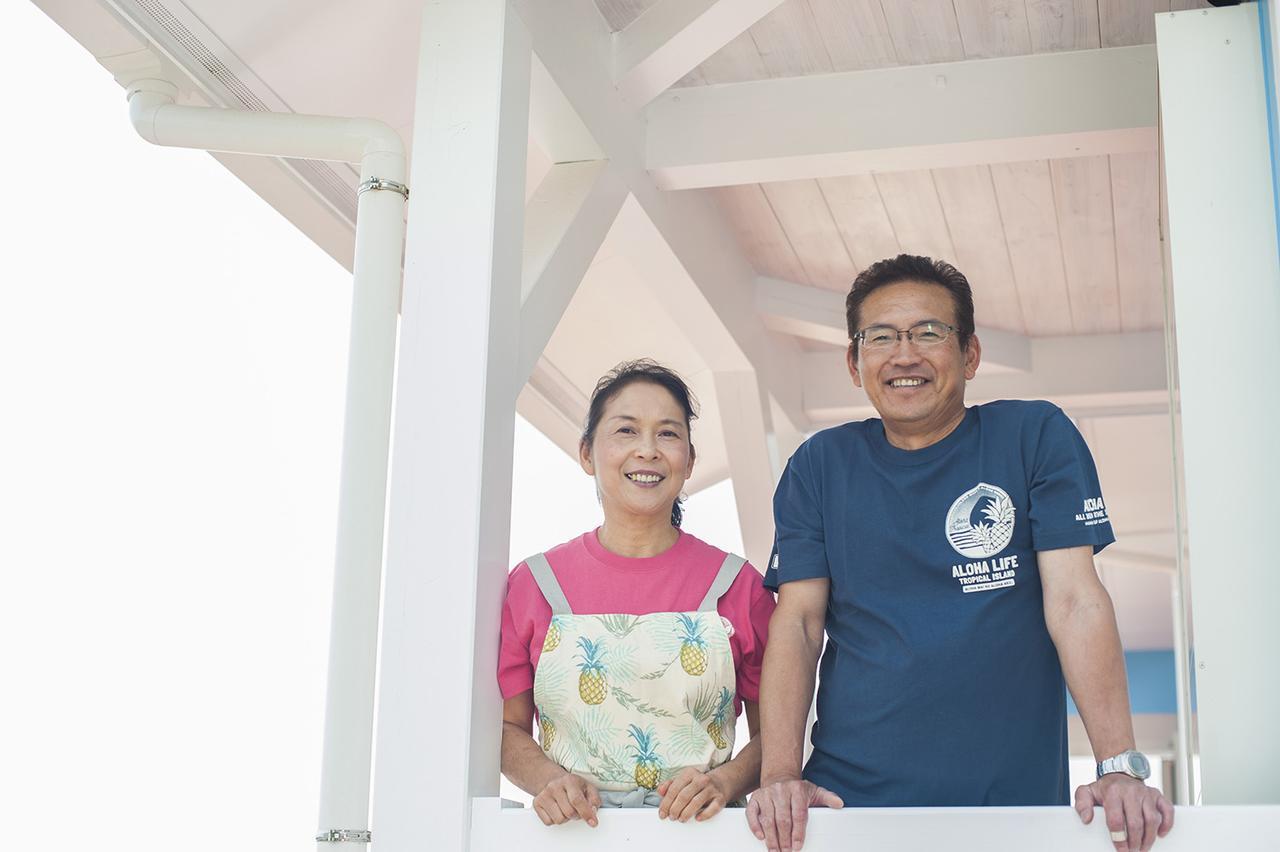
554 405
1017 108
673 37
717 312
566 221
554 124
1094 375
817 314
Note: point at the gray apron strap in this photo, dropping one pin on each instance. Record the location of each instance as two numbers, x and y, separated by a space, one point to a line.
724 579
637 798
546 580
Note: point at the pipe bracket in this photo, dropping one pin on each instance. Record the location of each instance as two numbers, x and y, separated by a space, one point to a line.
377 183
345 835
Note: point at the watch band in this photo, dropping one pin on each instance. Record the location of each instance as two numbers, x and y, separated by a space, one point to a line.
1131 763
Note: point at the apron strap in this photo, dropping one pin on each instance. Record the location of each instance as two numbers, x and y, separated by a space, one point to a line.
724 579
546 580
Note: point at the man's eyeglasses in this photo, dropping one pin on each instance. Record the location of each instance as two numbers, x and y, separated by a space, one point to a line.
921 334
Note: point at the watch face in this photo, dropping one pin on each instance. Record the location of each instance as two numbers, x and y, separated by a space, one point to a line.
1138 763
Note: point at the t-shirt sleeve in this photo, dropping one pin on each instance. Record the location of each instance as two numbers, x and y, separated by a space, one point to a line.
1066 505
748 605
519 621
799 544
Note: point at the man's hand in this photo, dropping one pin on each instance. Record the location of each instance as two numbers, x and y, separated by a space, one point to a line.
1136 813
779 812
565 798
691 794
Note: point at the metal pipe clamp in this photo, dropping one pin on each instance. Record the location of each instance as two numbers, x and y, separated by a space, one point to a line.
345 835
376 183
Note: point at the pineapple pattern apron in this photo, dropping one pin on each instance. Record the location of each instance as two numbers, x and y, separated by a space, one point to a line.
628 701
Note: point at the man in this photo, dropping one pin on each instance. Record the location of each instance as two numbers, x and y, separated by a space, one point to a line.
948 553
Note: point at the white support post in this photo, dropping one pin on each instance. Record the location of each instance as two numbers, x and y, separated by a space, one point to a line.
1225 273
439 714
743 416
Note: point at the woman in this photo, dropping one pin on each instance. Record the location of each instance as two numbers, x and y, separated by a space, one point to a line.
635 644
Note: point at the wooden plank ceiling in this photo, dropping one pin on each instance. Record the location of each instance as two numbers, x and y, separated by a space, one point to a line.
1056 247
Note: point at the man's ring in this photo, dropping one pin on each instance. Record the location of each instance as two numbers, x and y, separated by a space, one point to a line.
1119 836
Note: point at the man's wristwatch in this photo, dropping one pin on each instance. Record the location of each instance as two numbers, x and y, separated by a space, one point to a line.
1131 763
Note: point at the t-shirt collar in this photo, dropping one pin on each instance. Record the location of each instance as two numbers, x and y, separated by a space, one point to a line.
608 558
906 458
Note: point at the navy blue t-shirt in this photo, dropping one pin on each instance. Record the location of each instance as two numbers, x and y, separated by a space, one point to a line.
939 684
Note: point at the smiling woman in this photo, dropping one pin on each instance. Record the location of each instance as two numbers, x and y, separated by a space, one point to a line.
620 723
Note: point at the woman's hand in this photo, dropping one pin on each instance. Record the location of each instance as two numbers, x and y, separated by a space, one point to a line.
565 798
691 794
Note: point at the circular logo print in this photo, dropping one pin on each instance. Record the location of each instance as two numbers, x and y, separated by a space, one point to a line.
980 521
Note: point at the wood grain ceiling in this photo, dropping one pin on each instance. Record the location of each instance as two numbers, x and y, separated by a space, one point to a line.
1056 247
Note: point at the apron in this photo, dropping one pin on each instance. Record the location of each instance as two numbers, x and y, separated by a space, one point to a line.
628 701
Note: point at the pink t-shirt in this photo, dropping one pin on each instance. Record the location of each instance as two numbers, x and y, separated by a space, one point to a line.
597 581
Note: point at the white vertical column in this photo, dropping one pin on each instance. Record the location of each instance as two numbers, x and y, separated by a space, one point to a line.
439 715
366 438
1226 284
744 422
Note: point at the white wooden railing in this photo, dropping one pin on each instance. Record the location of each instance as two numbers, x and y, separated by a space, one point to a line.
1042 829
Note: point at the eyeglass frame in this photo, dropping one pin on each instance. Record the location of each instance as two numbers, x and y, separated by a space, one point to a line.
861 337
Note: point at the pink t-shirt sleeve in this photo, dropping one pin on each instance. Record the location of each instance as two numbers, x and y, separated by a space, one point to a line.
748 605
525 616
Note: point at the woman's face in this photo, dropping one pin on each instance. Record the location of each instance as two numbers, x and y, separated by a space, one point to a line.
640 455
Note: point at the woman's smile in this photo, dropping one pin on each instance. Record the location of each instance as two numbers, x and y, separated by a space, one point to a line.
640 455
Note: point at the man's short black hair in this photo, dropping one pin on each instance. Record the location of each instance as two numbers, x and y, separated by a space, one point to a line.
911 267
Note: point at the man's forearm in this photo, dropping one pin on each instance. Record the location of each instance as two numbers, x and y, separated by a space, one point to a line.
786 692
1092 658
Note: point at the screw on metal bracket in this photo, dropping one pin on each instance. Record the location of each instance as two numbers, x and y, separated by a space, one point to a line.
376 183
345 835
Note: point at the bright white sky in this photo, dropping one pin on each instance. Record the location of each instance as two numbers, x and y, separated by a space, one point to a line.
172 358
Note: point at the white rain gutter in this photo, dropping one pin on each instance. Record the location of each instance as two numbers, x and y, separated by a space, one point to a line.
353 637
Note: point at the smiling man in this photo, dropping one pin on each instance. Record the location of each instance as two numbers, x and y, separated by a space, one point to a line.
947 551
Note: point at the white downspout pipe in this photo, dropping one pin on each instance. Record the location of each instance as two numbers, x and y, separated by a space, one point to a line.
353 638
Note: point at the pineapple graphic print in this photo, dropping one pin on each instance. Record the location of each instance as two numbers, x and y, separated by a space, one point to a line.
648 764
987 534
591 685
627 701
547 728
552 640
716 729
693 648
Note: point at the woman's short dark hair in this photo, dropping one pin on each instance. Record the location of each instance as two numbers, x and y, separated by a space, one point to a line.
628 373
911 267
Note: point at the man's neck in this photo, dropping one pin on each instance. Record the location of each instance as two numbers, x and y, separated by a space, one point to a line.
910 436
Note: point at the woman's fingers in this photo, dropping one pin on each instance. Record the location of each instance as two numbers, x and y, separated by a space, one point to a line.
581 806
688 792
697 802
555 814
673 786
714 807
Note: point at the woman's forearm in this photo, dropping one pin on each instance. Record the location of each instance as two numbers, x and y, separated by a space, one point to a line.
524 762
741 775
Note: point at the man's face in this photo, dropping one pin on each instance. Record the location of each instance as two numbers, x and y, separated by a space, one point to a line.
914 388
